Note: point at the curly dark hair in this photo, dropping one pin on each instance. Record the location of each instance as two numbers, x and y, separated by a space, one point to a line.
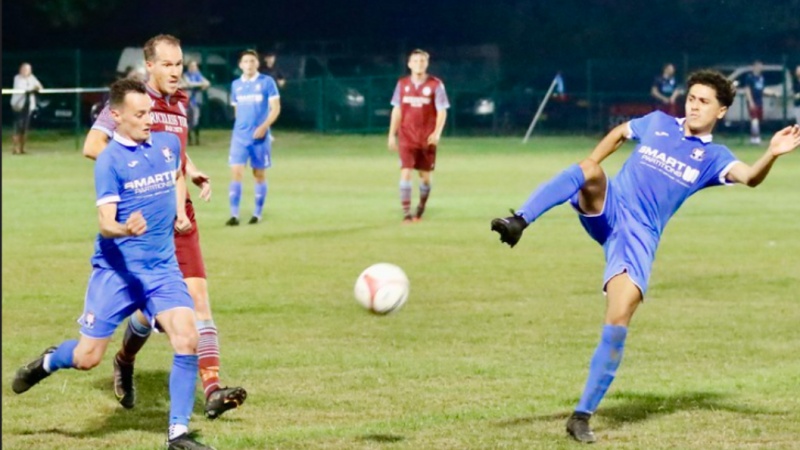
715 80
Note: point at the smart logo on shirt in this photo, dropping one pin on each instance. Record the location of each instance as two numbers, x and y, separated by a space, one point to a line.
668 165
149 184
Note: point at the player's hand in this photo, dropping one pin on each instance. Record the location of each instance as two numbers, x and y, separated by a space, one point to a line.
392 144
202 181
182 223
136 224
433 139
785 141
260 132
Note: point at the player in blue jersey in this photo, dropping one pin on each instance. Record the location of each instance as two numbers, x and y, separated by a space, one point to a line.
257 103
627 214
140 191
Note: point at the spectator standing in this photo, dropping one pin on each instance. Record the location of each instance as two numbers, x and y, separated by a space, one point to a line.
23 105
195 83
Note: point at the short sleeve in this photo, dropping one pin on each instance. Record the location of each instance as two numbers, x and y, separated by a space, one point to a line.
106 181
720 166
638 126
441 100
272 88
233 94
396 95
105 122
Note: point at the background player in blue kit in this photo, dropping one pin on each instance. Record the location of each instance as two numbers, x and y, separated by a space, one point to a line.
140 191
627 214
257 103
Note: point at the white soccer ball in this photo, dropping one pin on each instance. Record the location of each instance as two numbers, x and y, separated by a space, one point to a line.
382 288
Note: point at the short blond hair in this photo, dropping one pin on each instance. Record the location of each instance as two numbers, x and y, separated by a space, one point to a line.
419 51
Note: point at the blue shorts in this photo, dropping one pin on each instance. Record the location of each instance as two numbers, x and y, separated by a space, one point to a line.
112 296
258 151
629 246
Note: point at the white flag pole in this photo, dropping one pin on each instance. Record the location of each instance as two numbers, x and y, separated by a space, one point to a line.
541 108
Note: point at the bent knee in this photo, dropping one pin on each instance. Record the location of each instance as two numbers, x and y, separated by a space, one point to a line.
87 361
592 171
185 341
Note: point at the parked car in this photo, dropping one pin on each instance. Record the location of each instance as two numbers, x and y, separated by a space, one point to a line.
776 78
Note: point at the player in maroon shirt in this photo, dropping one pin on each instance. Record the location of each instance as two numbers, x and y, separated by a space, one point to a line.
418 117
164 62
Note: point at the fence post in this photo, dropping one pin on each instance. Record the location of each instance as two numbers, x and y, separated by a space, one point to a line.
77 99
589 99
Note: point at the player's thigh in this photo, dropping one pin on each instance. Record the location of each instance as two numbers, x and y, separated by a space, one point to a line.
188 252
623 297
601 224
198 290
260 153
238 153
408 157
593 193
171 305
110 298
425 160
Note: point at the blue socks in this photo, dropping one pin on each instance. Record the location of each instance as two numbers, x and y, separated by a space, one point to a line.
235 196
182 380
261 197
552 193
61 358
603 367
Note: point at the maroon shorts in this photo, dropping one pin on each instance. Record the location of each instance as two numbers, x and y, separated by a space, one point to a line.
187 249
419 158
756 112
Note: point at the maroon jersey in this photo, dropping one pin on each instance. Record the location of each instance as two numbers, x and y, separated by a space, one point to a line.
418 105
168 114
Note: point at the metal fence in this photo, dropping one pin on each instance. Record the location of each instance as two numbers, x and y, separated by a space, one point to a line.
599 92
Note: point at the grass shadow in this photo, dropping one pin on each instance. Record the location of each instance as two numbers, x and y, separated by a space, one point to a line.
151 413
634 407
382 438
631 407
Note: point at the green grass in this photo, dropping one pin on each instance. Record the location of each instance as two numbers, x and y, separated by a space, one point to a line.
492 349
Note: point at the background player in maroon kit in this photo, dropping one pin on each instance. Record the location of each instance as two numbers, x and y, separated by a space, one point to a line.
164 63
418 117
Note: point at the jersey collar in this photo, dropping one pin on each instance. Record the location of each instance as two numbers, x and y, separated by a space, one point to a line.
129 143
705 139
250 79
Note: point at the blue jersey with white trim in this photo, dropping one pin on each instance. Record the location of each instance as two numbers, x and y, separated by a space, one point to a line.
139 177
666 168
251 98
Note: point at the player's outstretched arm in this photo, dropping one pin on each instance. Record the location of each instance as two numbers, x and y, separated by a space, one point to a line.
610 143
96 142
783 142
110 228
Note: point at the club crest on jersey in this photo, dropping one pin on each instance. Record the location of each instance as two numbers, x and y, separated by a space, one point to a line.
88 320
426 90
408 89
697 154
258 87
168 155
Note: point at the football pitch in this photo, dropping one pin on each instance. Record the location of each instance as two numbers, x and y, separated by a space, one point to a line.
491 350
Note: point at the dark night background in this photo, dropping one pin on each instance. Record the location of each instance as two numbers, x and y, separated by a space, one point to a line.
524 29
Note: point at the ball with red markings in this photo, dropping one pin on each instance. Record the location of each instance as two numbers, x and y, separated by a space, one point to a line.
382 288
